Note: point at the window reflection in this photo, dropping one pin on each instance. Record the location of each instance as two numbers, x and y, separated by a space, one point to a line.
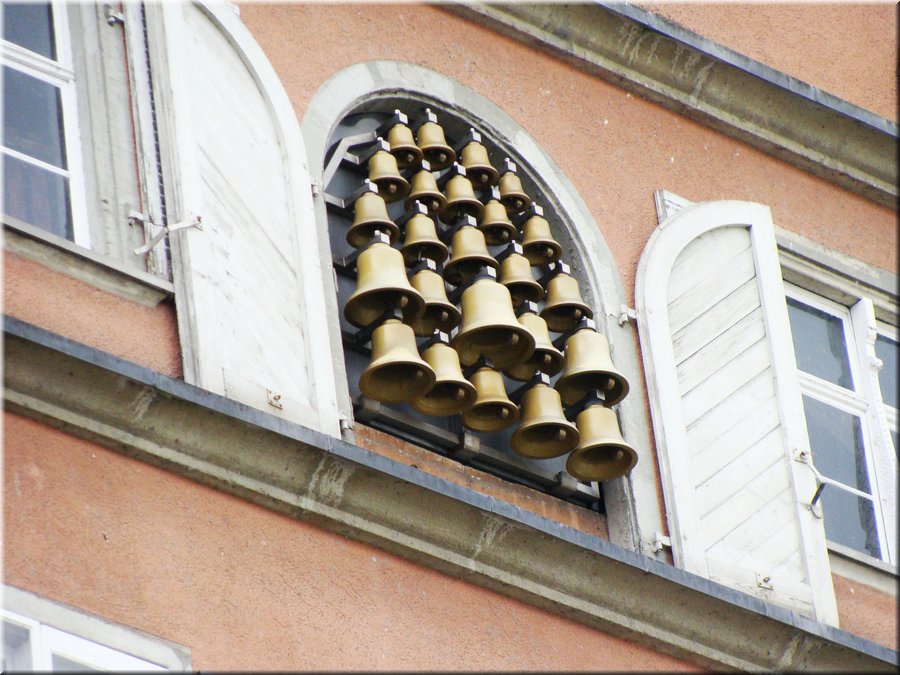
30 25
886 350
819 343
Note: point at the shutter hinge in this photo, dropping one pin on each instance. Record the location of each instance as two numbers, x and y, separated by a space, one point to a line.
113 18
134 218
764 581
660 541
274 399
316 188
625 314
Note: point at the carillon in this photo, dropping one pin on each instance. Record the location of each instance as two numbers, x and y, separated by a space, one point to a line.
460 286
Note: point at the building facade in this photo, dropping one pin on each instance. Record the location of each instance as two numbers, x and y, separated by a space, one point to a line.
670 443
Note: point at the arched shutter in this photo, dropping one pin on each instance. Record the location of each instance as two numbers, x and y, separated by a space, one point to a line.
248 281
726 406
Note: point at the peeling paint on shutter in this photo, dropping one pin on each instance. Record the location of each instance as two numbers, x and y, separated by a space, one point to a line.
726 406
248 282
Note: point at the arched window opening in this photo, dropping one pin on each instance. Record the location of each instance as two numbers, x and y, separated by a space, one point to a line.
466 324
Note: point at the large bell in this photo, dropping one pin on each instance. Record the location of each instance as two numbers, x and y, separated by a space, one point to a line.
474 158
440 314
370 214
544 431
452 393
589 367
469 255
564 308
492 410
602 453
433 144
538 243
545 358
424 188
495 224
461 200
489 326
383 171
421 241
403 146
381 284
396 373
512 195
515 274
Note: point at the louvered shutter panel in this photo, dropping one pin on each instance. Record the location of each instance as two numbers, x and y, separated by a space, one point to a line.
249 289
726 406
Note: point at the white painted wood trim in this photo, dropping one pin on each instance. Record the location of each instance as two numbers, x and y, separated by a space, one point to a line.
883 461
651 291
188 202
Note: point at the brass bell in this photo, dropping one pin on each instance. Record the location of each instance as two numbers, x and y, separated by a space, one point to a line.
383 171
544 431
489 325
496 225
469 255
474 158
515 274
601 453
545 358
492 410
396 373
538 243
424 188
370 214
440 314
431 141
564 308
589 367
461 200
403 146
512 195
422 241
452 393
381 284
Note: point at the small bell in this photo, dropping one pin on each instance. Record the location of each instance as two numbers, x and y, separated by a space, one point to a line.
383 171
545 358
424 189
564 308
515 274
470 254
492 410
433 144
602 453
403 146
478 165
452 393
370 214
461 200
544 431
538 243
396 373
440 314
381 284
489 326
589 367
422 241
496 225
512 195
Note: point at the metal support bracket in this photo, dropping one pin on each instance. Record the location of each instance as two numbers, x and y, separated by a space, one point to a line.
660 541
135 217
625 314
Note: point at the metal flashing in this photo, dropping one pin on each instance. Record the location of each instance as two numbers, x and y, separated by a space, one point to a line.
399 508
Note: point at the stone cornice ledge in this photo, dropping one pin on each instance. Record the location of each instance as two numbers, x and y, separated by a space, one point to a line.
695 77
363 495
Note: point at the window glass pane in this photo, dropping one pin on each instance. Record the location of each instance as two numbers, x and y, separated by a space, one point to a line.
836 441
32 118
850 520
36 196
62 664
819 343
895 438
886 350
16 647
30 25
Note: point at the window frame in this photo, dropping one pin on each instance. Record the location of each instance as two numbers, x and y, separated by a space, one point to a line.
61 74
860 402
77 635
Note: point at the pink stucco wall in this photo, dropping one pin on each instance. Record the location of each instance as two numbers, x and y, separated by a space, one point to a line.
247 589
848 49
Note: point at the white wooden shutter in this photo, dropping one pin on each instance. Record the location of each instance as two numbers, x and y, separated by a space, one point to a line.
726 405
249 292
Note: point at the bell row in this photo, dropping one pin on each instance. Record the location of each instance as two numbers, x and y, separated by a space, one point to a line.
434 384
